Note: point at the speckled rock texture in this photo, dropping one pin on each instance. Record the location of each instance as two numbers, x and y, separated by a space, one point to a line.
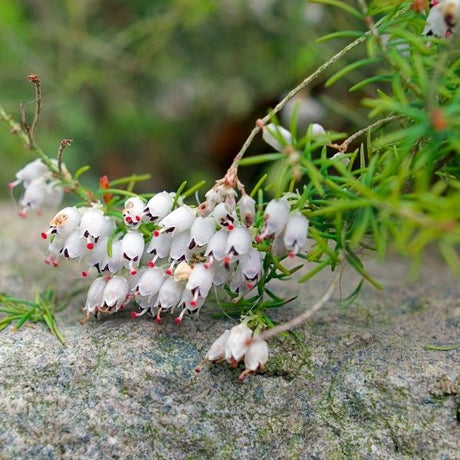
358 384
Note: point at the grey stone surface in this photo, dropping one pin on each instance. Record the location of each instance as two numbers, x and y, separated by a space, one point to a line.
359 384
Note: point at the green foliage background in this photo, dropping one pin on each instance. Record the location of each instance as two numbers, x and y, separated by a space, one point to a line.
166 87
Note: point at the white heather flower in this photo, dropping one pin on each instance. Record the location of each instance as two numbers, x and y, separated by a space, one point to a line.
133 211
202 230
199 282
239 242
276 215
278 248
222 275
251 267
341 157
223 217
179 220
64 222
442 18
179 250
217 350
34 197
169 296
317 130
276 136
158 207
31 171
74 245
150 282
95 297
215 250
255 357
115 294
132 248
237 343
91 225
295 234
159 246
247 207
100 257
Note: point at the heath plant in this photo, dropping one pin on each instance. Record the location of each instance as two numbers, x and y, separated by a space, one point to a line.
327 198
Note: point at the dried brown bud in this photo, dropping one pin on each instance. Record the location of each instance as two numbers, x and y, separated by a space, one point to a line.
33 78
418 6
438 119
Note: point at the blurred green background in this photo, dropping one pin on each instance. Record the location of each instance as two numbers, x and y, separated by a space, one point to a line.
166 87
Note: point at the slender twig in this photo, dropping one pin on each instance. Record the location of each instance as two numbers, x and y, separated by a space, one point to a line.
298 320
64 143
343 147
34 78
22 112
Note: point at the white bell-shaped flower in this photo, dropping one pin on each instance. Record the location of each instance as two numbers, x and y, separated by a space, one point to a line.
239 242
276 215
179 220
223 217
101 259
179 250
222 274
95 296
341 157
159 247
132 247
255 357
295 234
150 282
91 225
317 130
115 294
276 136
34 170
201 232
158 207
74 245
199 282
169 296
237 343
442 18
251 267
34 197
216 351
64 222
247 207
133 211
215 250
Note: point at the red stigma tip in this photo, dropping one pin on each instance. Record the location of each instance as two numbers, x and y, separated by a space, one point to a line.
169 272
133 314
193 303
292 254
44 235
47 262
84 274
230 227
55 264
198 369
156 233
90 246
133 272
158 320
240 378
207 265
11 185
129 220
250 285
138 218
258 239
227 260
178 320
22 214
151 264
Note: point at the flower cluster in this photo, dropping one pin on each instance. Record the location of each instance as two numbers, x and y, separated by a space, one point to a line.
169 258
237 344
40 188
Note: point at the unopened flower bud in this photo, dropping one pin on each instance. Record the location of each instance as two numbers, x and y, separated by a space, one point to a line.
247 207
295 235
276 215
276 136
